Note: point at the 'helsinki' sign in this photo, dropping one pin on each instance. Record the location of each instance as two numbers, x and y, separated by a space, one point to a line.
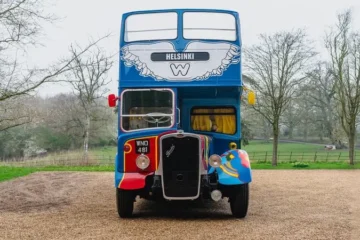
181 56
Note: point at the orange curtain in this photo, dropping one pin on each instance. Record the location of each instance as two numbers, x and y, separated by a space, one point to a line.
201 122
225 123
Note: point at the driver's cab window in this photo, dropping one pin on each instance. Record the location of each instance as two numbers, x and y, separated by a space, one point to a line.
142 109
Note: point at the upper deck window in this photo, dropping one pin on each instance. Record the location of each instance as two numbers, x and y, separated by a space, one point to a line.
206 25
151 26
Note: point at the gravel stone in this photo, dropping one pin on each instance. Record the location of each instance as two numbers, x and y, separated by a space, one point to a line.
284 204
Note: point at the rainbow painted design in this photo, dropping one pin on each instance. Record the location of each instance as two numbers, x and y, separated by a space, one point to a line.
235 168
132 178
205 146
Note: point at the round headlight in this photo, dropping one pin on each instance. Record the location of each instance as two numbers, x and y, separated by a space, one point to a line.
215 160
142 162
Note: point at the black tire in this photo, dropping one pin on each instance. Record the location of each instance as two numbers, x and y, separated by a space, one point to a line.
124 203
239 202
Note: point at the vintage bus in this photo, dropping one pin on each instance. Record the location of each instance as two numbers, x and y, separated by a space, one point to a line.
179 129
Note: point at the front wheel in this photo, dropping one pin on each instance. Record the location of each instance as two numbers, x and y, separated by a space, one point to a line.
239 201
124 202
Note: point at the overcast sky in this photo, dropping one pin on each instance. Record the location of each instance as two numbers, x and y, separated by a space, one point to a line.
83 19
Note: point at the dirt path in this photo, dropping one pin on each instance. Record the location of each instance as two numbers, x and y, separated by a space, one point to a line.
284 204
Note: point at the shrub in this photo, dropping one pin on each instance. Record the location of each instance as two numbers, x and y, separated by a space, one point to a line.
300 165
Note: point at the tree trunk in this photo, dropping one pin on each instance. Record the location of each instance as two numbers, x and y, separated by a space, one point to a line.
352 134
291 130
321 135
86 137
275 144
328 121
305 133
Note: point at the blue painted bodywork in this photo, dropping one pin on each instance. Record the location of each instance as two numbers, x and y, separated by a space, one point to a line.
218 90
130 77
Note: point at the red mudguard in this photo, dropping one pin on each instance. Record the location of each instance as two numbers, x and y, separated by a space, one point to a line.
132 181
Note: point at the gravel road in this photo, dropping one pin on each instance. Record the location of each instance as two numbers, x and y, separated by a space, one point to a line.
284 204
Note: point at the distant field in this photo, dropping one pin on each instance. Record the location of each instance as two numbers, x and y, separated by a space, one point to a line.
109 152
102 159
259 152
289 152
262 151
262 146
7 173
254 146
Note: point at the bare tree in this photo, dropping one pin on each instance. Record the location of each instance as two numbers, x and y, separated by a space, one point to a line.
291 117
21 22
88 78
344 48
15 113
322 95
276 65
20 26
64 113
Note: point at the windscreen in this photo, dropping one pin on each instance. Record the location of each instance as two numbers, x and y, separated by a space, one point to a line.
151 26
142 109
209 25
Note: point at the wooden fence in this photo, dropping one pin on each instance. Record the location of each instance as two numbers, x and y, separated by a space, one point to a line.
323 156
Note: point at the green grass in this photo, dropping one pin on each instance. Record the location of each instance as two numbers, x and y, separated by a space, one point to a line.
262 146
262 151
7 173
321 165
107 152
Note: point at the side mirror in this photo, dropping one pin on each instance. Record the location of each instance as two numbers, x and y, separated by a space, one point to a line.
112 100
251 98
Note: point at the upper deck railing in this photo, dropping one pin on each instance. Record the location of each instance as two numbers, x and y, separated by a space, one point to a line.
180 47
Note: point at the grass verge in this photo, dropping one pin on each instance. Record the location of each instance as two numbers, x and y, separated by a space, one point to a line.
316 165
7 173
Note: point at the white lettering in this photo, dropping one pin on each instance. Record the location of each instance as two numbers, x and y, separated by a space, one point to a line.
180 56
142 143
169 152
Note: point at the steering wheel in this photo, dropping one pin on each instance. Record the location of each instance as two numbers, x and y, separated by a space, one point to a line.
152 119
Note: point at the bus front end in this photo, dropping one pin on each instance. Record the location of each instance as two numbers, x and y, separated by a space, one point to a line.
178 105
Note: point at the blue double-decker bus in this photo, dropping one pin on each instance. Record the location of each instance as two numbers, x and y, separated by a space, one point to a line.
179 129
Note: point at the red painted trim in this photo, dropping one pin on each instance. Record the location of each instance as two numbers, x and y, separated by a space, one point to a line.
133 181
130 157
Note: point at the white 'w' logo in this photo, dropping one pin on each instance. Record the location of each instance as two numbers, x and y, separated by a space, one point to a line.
180 68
